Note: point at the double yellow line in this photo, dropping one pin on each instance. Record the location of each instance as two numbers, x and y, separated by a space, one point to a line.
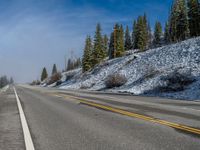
134 115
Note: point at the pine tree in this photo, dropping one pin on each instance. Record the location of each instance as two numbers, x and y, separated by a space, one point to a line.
73 64
44 74
183 24
54 70
194 17
3 81
105 45
116 44
179 26
157 34
120 42
77 63
98 53
111 46
134 33
166 33
116 34
128 44
149 45
139 37
87 56
68 64
173 22
11 80
145 30
141 33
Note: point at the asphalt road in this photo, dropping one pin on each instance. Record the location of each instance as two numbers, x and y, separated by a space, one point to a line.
11 136
57 121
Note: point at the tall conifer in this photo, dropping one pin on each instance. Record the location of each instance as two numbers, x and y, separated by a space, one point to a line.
157 34
194 17
54 70
179 26
44 74
98 51
120 47
134 33
105 45
111 46
128 44
87 55
166 33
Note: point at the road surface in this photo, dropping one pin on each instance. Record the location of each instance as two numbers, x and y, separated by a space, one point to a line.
58 120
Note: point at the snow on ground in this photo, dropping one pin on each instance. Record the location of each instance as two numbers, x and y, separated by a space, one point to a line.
4 89
145 72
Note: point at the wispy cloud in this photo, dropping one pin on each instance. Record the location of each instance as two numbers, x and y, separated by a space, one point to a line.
37 33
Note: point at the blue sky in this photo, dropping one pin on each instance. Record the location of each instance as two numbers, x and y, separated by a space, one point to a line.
37 33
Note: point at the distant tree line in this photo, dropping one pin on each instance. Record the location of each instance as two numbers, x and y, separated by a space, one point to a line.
183 23
5 81
73 64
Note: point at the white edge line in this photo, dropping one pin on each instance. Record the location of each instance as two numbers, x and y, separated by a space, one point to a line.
27 136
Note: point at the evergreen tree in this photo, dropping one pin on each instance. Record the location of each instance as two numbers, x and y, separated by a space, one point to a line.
194 17
105 45
87 56
157 34
145 30
44 74
54 70
179 26
149 36
73 64
120 42
3 81
69 64
11 80
128 44
141 33
166 33
134 32
116 44
111 46
77 63
183 24
98 52
172 22
116 33
139 37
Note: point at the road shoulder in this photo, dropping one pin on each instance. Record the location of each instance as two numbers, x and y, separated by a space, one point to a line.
11 136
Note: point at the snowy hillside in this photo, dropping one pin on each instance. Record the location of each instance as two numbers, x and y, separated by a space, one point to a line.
150 73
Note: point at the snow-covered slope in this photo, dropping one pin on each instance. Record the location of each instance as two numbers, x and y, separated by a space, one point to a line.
147 72
5 88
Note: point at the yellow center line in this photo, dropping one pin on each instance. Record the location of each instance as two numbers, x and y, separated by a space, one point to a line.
134 115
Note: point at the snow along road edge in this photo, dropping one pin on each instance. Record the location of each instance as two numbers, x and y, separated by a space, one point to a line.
27 136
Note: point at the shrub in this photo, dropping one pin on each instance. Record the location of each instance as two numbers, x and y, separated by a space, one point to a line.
176 82
54 78
59 82
115 80
35 82
68 77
